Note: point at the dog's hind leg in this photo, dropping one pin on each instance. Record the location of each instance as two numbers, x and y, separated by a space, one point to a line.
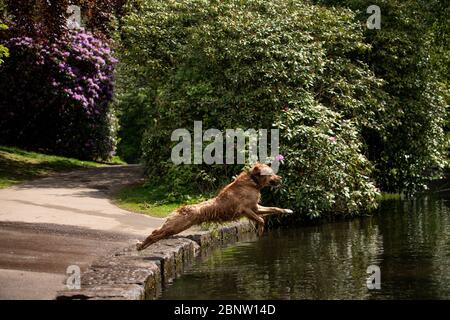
152 238
156 235
173 225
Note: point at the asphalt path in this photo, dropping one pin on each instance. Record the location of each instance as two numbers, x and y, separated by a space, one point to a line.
49 224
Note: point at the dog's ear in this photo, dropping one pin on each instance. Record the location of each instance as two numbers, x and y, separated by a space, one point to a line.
256 170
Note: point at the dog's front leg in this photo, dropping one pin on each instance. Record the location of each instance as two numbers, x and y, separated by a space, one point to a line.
272 210
253 216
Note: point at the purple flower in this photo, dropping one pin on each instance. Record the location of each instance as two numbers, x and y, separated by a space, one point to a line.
279 157
332 139
78 97
67 70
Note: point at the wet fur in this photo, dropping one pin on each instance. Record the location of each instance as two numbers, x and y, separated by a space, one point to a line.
238 199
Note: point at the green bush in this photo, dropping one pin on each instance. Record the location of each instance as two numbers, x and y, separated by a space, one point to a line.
4 52
325 170
256 64
133 119
410 52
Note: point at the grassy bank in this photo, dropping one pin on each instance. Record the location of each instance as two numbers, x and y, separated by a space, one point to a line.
155 201
17 165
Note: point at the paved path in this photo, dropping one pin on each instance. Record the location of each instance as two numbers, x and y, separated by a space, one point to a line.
51 223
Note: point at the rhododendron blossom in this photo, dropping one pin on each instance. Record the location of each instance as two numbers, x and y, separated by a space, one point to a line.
70 86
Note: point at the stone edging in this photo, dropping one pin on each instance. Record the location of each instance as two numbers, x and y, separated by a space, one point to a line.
133 275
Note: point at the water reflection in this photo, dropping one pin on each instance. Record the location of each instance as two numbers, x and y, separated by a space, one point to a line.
409 240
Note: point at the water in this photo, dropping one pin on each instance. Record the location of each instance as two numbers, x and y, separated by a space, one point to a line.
408 240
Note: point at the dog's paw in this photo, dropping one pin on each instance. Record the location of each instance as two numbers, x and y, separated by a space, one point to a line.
139 245
260 230
288 211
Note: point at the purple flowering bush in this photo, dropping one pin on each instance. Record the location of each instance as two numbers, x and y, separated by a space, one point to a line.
55 95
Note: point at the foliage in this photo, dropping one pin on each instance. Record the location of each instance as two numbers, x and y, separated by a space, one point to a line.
32 17
49 16
4 52
61 100
256 64
411 53
134 114
325 170
100 13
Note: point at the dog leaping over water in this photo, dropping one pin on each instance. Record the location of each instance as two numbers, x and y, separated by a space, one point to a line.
238 199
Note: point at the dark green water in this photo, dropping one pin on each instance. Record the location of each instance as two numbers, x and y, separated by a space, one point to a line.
408 240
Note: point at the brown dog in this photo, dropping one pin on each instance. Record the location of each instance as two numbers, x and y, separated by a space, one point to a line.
238 199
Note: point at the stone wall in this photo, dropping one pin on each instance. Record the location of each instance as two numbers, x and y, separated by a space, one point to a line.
133 275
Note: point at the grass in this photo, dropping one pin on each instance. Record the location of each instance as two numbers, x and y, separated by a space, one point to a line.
17 165
155 201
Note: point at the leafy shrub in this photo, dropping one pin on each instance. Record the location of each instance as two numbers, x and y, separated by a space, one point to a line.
4 52
134 115
410 52
55 95
256 64
325 170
